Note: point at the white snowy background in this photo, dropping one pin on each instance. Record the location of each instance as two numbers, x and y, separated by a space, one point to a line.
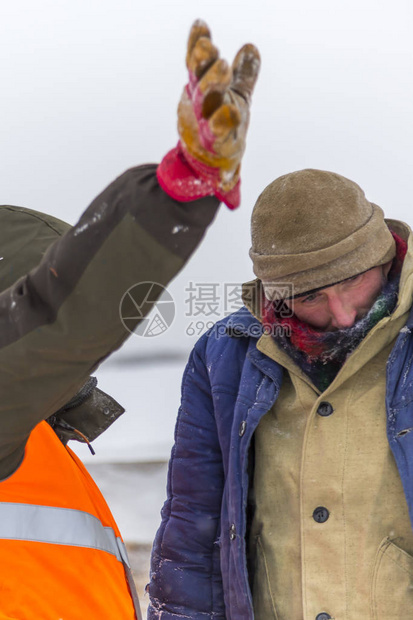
90 88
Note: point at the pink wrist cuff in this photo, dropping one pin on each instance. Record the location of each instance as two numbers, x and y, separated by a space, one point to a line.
184 178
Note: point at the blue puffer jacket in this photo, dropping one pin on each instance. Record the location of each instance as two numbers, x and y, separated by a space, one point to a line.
199 566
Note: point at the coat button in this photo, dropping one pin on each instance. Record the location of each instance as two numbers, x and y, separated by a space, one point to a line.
321 514
242 428
325 409
323 616
232 532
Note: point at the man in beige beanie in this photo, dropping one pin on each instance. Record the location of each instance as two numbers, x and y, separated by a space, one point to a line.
296 423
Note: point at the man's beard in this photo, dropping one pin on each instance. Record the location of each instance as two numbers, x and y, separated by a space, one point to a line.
339 343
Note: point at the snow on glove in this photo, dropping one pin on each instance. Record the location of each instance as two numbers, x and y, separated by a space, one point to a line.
213 117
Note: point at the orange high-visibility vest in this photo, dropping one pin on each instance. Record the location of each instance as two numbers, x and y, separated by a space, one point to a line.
61 554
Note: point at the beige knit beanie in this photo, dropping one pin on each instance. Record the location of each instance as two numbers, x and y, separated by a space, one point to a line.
312 229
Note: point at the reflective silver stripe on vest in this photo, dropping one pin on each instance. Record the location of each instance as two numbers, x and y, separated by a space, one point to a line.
59 526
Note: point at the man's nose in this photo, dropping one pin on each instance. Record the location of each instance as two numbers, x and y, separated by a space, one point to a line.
342 313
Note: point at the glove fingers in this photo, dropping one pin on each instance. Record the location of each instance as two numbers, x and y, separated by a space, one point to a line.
213 85
217 78
245 70
201 57
224 121
198 29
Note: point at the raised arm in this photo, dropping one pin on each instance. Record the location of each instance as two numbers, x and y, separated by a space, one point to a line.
62 319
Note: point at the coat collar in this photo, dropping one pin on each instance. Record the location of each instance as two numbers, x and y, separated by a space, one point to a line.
405 300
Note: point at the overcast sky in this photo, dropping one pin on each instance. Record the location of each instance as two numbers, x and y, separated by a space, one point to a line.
90 88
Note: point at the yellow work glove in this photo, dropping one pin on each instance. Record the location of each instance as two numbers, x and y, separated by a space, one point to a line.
213 117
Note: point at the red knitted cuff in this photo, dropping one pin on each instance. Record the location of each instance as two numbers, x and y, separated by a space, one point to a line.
184 178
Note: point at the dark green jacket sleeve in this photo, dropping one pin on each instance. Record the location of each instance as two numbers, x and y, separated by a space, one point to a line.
62 319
